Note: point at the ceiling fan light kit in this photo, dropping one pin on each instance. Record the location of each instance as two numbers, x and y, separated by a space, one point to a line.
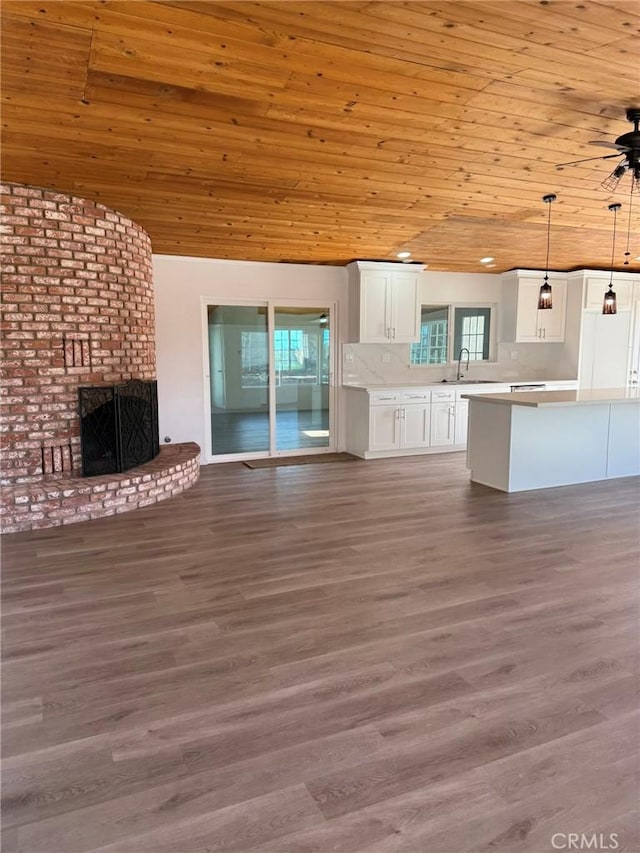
545 297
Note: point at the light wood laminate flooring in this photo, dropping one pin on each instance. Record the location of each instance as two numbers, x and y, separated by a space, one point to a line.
373 657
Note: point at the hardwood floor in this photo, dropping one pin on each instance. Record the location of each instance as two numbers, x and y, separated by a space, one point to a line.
370 657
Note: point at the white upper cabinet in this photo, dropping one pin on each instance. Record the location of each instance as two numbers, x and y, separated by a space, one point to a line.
384 303
524 322
596 287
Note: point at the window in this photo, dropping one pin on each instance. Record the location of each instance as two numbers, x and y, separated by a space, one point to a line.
434 332
471 330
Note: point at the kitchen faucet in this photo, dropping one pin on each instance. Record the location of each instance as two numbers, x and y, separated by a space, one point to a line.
459 374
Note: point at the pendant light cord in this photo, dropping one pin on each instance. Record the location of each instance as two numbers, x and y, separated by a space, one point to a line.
548 199
546 269
615 208
627 254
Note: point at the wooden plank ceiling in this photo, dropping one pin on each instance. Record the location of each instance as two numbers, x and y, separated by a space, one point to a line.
326 131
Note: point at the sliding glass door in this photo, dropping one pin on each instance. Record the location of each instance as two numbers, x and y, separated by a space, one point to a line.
269 384
301 355
239 379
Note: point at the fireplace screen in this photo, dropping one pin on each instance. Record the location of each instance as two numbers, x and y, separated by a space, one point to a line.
118 426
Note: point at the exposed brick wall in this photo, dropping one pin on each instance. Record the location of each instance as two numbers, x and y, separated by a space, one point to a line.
77 309
60 500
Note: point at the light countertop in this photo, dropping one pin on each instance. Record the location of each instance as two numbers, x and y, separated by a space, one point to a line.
485 386
581 397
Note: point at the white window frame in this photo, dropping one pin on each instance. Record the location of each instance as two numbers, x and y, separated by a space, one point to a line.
452 357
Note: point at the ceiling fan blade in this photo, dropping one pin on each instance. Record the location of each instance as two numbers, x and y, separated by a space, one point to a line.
587 160
605 144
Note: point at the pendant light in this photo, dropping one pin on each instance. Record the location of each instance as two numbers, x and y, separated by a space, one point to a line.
545 299
610 305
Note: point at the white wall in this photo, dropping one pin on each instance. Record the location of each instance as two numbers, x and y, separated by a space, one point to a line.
379 363
181 283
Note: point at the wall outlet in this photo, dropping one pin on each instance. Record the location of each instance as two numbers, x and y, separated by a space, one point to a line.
514 355
386 357
348 356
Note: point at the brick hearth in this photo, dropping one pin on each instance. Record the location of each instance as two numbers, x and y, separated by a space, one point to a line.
77 309
66 500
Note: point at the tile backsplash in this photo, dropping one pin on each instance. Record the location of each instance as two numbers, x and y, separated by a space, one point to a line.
373 364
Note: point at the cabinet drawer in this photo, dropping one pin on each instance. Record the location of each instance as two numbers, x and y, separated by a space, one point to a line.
416 396
382 398
443 396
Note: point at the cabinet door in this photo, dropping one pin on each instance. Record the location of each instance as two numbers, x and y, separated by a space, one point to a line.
404 308
552 320
384 428
604 350
633 378
375 307
597 287
416 425
461 422
527 312
442 423
533 325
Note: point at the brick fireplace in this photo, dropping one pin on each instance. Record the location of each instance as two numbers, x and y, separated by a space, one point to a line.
77 309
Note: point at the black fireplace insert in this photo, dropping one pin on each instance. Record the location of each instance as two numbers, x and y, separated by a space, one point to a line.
118 426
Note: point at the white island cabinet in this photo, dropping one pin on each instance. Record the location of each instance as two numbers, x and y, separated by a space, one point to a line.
535 440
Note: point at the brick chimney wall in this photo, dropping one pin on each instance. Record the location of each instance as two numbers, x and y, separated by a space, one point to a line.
76 309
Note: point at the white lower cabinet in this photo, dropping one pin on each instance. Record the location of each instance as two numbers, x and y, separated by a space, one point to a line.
416 419
443 422
394 427
461 422
399 422
384 428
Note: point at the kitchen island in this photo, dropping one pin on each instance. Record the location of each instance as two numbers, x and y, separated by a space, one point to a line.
535 440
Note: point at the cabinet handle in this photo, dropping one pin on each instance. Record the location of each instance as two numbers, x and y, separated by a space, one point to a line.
393 329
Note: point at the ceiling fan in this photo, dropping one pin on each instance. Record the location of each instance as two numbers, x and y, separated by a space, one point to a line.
627 147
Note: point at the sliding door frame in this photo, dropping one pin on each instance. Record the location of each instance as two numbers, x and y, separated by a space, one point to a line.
270 305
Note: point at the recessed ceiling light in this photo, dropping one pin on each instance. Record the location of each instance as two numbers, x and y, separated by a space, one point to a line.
403 255
486 260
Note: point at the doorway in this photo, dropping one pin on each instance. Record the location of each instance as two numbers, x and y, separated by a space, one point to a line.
269 382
